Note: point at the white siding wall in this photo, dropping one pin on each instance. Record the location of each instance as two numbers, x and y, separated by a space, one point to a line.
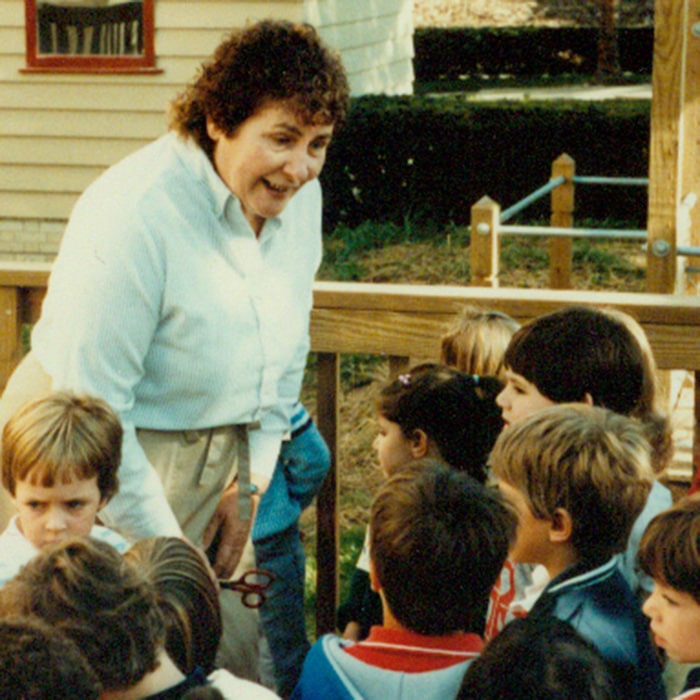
59 131
375 38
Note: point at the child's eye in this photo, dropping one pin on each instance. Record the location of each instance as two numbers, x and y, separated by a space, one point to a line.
34 505
75 505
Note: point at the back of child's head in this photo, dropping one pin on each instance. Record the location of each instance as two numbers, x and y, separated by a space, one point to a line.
457 412
538 658
477 340
580 350
670 548
86 590
438 540
188 596
590 461
649 408
39 663
60 437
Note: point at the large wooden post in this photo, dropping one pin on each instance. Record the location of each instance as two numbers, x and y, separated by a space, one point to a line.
674 182
674 148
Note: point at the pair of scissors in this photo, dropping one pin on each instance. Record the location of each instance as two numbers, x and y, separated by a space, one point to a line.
252 586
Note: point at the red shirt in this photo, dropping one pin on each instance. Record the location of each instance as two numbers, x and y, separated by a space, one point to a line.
402 650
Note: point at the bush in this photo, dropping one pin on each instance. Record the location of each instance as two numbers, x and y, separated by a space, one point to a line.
449 54
430 159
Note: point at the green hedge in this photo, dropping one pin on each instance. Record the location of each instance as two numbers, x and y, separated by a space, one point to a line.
447 54
431 159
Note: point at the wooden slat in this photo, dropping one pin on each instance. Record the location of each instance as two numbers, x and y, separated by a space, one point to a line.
223 14
30 205
561 249
328 392
83 124
670 25
66 151
25 178
9 331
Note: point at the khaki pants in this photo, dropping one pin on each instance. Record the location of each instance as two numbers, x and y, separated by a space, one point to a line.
195 467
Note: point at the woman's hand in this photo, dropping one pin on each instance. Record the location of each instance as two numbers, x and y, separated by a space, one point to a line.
229 531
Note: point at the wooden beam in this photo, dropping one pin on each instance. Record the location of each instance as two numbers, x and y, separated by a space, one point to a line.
667 148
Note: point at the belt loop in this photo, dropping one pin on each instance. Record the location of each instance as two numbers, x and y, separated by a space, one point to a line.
245 503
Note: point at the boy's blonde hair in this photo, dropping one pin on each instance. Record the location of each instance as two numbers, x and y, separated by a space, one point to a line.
591 462
60 437
670 548
477 340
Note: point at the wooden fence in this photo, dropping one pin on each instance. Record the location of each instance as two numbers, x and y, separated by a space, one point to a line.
488 226
400 322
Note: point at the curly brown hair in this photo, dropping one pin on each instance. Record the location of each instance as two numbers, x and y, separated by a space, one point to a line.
269 60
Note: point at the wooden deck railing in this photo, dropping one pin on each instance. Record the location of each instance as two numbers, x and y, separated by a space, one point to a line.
401 322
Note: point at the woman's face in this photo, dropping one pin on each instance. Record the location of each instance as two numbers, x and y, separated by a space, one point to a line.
269 157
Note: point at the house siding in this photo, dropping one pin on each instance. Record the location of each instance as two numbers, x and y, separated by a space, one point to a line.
59 131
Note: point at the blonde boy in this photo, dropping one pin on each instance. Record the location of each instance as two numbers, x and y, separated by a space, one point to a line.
60 455
578 476
670 554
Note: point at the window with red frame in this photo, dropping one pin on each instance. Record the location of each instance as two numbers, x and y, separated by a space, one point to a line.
90 36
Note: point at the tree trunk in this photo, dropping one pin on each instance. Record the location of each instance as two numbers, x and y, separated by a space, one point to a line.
608 58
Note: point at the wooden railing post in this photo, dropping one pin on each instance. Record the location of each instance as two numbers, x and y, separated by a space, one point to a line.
483 243
10 331
327 402
562 215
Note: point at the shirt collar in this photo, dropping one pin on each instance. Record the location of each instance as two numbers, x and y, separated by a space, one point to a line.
225 203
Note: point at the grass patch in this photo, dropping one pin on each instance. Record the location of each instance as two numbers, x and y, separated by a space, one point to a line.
350 546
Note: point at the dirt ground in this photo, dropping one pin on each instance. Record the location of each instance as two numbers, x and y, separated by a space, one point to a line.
499 13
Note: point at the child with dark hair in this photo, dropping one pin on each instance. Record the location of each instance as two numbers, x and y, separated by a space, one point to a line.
114 611
187 593
538 658
39 663
430 411
578 477
592 356
85 589
670 554
438 539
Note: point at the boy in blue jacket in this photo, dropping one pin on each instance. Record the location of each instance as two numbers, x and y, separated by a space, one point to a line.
578 476
438 540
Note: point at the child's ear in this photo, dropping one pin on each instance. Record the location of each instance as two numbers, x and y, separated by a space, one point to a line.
561 526
103 502
374 582
420 443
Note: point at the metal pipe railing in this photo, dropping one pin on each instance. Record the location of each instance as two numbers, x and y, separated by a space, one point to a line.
600 180
531 198
559 232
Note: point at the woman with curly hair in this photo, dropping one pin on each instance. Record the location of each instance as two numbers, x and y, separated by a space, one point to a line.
181 295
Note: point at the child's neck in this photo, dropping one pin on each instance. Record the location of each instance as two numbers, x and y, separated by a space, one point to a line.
562 557
165 676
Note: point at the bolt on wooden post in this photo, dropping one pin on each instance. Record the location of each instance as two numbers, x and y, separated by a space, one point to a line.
483 246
